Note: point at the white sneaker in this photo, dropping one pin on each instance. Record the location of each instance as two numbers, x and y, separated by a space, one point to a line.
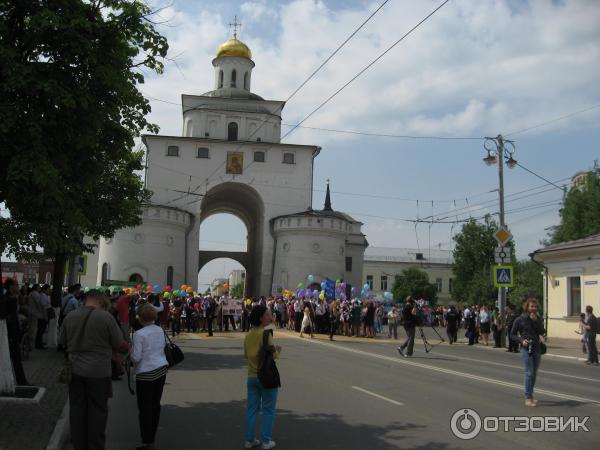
268 445
254 444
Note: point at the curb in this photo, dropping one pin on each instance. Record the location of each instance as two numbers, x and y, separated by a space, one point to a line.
61 434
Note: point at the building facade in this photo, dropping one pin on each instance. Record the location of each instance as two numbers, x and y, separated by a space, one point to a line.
381 265
571 282
229 159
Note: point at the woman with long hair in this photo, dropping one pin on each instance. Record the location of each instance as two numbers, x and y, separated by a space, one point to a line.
527 329
259 397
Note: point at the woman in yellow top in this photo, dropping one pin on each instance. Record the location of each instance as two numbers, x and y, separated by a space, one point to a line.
260 317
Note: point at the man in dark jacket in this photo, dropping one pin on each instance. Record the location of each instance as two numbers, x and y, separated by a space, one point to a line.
452 319
526 330
409 314
590 323
513 346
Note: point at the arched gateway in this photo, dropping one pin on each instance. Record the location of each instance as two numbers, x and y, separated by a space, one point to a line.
230 160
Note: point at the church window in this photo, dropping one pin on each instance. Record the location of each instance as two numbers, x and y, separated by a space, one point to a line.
348 263
232 131
259 156
104 272
384 284
370 281
170 276
288 158
173 150
233 78
202 152
246 81
220 79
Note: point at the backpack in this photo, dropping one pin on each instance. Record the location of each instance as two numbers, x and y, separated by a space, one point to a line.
268 375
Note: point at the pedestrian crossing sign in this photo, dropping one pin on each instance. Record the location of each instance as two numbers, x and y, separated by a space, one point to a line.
504 276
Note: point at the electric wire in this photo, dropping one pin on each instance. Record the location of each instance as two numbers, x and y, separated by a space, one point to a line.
363 70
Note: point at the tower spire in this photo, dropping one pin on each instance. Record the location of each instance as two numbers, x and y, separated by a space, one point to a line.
327 199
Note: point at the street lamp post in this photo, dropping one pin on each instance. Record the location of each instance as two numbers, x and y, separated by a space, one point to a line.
496 154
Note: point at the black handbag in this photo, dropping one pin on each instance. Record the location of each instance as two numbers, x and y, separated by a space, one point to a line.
543 348
173 353
268 375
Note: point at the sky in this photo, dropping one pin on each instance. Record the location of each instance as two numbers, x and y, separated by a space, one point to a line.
473 69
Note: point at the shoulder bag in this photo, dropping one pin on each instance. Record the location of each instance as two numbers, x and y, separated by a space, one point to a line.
173 353
66 372
268 375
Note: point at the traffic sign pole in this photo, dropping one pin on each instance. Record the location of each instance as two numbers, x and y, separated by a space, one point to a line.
502 290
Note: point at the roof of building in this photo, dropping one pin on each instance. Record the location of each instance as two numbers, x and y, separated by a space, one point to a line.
235 93
568 245
326 212
234 47
389 254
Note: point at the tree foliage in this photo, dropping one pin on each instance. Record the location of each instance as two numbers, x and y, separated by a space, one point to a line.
238 290
414 282
528 283
580 215
71 109
473 261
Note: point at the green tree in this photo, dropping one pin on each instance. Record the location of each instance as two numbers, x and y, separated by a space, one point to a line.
580 215
238 290
71 110
414 282
528 282
473 261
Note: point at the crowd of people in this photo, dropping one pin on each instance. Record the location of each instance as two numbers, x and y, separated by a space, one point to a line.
101 330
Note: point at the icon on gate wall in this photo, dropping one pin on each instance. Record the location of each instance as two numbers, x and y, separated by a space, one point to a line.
235 163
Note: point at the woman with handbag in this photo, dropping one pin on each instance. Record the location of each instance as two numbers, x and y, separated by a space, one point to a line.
148 355
256 352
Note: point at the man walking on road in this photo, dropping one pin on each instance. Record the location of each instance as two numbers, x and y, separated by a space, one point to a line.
90 334
409 314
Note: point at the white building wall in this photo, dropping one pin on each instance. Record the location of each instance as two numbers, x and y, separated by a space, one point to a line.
148 249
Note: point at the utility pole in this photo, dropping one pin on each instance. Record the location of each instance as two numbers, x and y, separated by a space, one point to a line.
501 290
496 154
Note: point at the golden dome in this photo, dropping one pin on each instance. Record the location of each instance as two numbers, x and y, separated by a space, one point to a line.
234 47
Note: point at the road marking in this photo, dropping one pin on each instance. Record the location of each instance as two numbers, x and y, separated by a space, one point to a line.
381 397
550 372
456 373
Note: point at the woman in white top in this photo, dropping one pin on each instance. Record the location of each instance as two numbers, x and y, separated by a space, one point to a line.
148 355
484 324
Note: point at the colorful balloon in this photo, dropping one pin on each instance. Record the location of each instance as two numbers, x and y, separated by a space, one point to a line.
300 286
366 286
311 278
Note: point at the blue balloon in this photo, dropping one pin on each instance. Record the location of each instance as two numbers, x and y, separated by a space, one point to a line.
363 293
366 286
323 284
156 288
311 278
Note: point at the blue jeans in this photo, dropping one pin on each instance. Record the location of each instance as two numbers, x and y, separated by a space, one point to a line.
268 397
531 363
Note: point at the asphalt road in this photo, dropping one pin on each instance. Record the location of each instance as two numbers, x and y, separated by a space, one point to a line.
359 394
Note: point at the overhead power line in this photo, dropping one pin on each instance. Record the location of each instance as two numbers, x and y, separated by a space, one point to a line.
364 69
543 124
263 122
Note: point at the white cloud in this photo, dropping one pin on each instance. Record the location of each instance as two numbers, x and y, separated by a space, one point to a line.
258 10
474 68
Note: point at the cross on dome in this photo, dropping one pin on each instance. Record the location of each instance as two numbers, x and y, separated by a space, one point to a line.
235 26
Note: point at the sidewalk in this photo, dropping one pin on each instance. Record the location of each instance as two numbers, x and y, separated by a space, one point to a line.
30 426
